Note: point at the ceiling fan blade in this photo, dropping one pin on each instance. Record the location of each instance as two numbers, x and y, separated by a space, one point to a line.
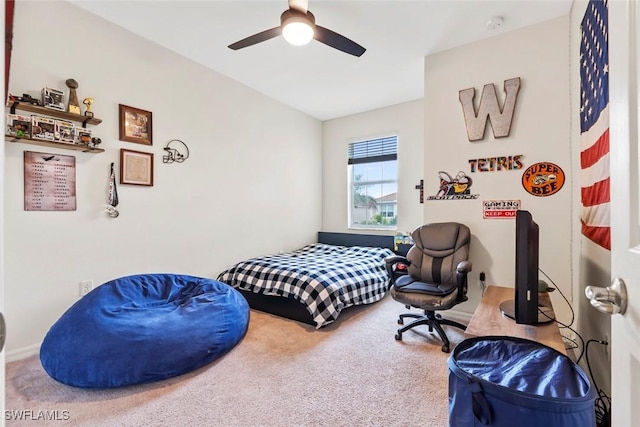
337 41
256 38
301 5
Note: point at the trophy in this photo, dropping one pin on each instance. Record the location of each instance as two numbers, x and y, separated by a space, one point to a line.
88 102
74 107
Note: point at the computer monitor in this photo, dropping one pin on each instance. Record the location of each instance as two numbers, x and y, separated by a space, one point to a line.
525 307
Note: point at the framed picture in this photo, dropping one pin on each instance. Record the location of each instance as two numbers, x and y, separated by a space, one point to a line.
136 167
135 125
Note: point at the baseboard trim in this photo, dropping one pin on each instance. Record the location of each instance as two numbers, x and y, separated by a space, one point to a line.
22 353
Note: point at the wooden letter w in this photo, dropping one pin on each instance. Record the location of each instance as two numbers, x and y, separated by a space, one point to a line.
500 118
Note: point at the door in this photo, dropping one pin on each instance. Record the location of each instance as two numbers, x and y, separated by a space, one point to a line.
624 43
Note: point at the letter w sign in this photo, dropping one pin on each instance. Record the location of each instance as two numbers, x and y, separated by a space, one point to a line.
489 108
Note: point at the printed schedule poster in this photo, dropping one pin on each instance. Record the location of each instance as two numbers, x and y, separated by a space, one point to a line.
49 182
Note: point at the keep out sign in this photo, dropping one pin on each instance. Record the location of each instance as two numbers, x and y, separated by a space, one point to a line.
492 209
543 179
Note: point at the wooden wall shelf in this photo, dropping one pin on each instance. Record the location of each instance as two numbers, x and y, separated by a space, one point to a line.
50 112
53 113
53 144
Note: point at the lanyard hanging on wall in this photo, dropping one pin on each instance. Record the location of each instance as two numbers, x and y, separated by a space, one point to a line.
113 195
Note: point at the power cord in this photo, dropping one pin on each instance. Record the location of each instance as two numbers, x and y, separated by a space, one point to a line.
582 348
567 338
603 401
573 315
569 341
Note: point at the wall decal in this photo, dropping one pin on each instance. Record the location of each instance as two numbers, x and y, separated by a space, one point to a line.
421 188
543 179
501 209
457 188
491 164
489 108
177 151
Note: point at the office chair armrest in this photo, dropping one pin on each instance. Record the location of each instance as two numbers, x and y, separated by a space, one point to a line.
464 267
391 262
393 259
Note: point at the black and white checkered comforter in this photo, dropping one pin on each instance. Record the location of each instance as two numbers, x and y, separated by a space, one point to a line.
325 278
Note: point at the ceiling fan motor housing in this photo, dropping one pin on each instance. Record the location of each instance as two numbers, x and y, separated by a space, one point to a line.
293 15
298 28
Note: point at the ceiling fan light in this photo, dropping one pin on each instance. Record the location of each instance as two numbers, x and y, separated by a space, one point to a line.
298 33
297 26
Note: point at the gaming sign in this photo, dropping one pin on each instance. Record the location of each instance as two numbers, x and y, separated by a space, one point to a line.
500 209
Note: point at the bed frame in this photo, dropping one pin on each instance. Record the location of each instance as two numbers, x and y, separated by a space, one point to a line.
289 307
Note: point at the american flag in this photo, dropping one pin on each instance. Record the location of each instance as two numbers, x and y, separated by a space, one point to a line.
594 119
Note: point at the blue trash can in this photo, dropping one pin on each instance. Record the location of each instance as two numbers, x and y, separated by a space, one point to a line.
509 381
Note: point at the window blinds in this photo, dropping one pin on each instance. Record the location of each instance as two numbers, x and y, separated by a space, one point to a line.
374 150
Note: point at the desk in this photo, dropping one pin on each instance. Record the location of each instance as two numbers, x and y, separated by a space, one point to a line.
488 320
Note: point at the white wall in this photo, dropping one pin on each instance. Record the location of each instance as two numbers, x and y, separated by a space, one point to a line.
540 131
251 185
406 120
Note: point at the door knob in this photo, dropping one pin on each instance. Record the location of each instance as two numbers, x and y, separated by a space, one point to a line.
610 300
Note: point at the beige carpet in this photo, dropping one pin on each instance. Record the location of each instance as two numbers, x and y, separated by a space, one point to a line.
351 373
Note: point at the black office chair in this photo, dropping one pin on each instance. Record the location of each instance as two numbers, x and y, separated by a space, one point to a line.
436 276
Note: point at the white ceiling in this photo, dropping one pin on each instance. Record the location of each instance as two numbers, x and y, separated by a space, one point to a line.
316 79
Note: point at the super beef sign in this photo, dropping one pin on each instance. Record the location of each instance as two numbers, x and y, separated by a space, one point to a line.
543 179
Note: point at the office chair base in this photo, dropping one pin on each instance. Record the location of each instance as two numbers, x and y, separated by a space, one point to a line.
433 321
416 316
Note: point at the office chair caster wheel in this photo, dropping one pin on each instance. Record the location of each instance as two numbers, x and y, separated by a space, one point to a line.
445 348
398 336
400 322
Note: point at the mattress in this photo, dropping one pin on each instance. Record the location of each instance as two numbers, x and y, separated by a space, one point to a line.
324 278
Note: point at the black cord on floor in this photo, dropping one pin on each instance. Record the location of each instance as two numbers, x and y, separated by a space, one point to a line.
603 402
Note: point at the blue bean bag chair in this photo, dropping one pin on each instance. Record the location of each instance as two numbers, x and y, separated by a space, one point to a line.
144 328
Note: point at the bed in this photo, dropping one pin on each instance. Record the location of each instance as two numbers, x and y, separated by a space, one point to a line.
315 283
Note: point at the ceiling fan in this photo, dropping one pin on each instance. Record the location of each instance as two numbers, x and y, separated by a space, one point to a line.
298 26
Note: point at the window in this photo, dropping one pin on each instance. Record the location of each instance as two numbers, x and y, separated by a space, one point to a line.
373 183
